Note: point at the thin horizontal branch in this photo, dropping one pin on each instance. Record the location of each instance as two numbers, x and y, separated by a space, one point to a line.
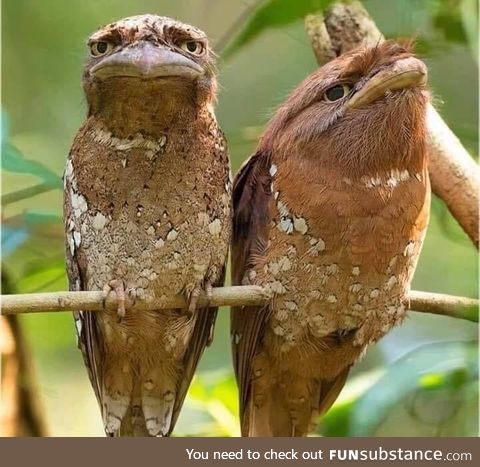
448 305
454 175
93 301
443 304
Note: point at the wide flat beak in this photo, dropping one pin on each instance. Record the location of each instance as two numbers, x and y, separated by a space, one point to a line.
146 61
403 74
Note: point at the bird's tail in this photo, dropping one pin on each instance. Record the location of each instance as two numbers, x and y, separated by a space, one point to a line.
290 408
145 409
133 424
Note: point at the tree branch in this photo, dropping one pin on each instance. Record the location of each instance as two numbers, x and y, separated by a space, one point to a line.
21 413
454 175
448 305
93 301
26 193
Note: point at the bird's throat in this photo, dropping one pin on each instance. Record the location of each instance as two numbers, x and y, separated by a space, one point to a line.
127 106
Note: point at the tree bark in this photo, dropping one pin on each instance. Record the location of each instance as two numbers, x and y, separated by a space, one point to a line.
20 410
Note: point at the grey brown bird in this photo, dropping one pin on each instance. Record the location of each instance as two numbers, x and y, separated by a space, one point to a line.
147 215
329 216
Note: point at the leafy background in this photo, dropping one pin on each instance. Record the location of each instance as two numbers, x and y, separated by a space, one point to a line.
420 380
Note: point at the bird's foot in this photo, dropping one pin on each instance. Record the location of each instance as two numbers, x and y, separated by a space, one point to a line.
192 299
209 291
249 277
124 300
193 293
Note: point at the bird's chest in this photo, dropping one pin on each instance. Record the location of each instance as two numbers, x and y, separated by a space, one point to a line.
155 217
343 263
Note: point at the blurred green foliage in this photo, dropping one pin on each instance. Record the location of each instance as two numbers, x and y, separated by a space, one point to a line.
420 380
269 14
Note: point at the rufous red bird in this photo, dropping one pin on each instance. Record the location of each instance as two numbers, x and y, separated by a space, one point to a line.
329 216
148 215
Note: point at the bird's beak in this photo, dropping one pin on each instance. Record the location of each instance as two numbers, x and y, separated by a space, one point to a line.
146 61
402 74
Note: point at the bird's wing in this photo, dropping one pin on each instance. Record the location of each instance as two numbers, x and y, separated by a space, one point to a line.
202 336
85 322
251 221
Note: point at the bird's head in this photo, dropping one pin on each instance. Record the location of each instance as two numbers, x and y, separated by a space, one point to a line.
149 59
367 107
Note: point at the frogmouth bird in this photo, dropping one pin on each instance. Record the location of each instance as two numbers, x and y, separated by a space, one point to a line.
147 215
329 217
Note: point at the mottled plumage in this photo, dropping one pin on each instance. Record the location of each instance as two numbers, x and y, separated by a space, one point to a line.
147 214
329 216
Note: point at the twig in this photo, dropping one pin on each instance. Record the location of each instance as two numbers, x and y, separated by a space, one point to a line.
25 193
237 24
448 305
455 176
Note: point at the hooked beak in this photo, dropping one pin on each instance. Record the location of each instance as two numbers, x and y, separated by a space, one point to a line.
146 61
403 74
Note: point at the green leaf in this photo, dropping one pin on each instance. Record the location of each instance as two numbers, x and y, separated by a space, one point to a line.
14 161
413 375
5 126
44 280
213 399
455 21
448 21
12 238
41 218
17 230
336 422
469 14
271 14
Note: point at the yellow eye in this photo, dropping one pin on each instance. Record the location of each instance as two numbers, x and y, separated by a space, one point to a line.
193 47
99 48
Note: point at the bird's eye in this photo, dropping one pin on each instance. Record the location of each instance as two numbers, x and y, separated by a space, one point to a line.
337 92
100 48
193 47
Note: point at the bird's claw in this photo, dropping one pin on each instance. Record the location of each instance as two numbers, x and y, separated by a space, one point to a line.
194 295
117 286
193 300
209 291
249 277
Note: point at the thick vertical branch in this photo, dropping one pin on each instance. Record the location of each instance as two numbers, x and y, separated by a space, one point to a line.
455 176
319 38
20 411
